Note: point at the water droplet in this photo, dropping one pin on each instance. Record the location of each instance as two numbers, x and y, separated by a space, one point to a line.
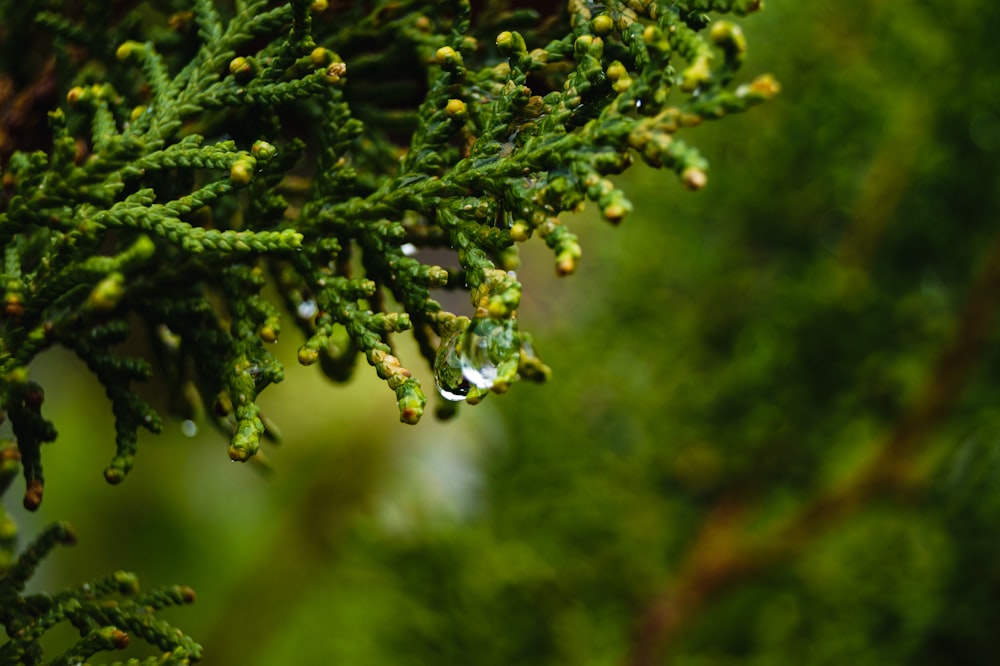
489 351
189 428
307 309
448 376
408 249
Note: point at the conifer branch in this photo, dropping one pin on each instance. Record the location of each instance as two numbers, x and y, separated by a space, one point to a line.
163 201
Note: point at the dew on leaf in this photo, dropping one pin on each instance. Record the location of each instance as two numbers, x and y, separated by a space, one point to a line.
489 351
307 309
448 376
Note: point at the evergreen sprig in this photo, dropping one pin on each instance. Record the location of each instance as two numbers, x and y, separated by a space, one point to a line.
201 155
169 179
104 623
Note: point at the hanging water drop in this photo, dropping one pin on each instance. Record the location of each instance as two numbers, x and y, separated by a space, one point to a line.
307 309
448 377
489 351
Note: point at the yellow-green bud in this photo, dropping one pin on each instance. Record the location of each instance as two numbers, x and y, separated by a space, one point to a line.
17 377
106 294
618 75
8 529
696 74
239 453
143 248
694 178
603 24
615 212
263 150
476 395
653 37
565 264
243 69
765 86
320 57
307 355
241 171
13 306
446 56
520 232
511 42
126 49
622 84
319 6
505 40
456 109
437 276
497 308
616 70
75 95
583 43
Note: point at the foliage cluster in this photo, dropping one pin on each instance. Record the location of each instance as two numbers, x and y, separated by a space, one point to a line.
775 436
195 157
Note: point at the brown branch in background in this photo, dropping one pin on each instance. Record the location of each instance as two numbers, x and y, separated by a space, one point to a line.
713 562
722 555
27 97
23 119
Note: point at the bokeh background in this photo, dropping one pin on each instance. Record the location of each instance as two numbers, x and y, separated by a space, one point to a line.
772 435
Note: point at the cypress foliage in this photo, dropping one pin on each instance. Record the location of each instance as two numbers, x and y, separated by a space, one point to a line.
194 157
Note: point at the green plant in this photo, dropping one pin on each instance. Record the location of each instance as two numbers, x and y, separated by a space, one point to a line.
200 163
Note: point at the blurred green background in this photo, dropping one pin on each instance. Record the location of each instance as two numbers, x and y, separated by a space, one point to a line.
772 435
